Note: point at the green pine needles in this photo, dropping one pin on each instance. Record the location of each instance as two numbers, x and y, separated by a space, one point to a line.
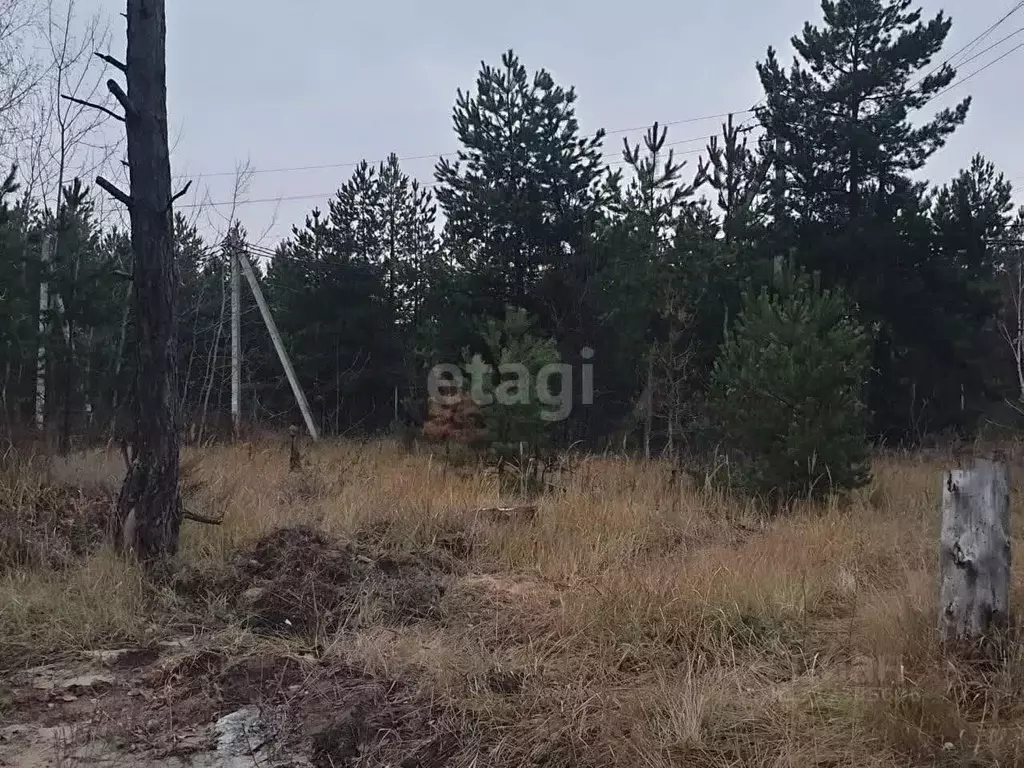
514 391
787 394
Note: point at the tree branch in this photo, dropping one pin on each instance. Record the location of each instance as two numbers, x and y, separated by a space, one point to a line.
114 192
180 193
121 96
100 107
112 61
123 275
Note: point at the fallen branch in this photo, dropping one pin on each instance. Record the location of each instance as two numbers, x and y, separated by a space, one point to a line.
197 518
523 513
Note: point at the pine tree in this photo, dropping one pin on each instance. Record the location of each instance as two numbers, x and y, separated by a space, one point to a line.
521 197
408 243
17 314
645 281
970 217
83 288
786 393
847 127
843 113
328 291
514 414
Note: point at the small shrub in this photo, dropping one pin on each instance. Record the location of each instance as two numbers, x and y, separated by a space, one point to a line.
503 409
457 423
514 408
786 394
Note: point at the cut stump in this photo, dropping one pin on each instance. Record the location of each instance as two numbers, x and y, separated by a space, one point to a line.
975 552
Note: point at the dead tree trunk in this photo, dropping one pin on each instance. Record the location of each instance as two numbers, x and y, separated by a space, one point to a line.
149 510
975 552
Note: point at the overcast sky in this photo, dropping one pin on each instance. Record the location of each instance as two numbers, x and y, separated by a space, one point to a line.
321 82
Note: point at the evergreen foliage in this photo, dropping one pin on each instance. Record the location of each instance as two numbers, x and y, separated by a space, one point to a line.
850 121
516 403
646 267
521 197
786 394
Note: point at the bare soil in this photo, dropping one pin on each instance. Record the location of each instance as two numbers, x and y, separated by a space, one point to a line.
147 707
160 703
298 581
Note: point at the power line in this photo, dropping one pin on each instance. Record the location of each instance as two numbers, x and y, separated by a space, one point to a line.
972 44
681 122
433 155
996 44
425 185
961 81
969 46
978 71
999 22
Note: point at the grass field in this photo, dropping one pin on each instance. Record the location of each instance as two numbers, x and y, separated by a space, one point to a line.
379 618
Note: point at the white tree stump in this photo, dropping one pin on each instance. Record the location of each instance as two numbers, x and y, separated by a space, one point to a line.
975 552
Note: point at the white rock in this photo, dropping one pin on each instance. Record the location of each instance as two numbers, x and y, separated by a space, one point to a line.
242 732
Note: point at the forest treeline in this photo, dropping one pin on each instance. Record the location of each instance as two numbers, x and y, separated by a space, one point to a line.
629 251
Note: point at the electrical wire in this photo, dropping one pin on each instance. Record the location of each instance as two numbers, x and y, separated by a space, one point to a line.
435 155
977 72
971 44
967 48
996 44
423 185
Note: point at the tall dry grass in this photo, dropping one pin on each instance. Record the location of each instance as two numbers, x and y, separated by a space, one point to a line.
641 623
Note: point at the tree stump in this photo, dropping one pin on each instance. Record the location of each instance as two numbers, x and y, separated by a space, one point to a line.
975 552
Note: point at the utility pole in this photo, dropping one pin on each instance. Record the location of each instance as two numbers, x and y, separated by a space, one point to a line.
44 307
236 341
654 143
282 353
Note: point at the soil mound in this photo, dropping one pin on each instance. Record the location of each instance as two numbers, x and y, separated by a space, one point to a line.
298 581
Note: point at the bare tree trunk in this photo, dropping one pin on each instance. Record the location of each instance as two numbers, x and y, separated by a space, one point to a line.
236 344
119 358
211 361
149 509
649 413
64 444
1013 331
187 388
87 381
8 420
44 307
975 552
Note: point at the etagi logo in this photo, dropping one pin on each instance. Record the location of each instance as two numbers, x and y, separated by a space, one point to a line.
515 386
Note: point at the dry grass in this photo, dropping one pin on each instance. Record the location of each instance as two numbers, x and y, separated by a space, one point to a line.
634 623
